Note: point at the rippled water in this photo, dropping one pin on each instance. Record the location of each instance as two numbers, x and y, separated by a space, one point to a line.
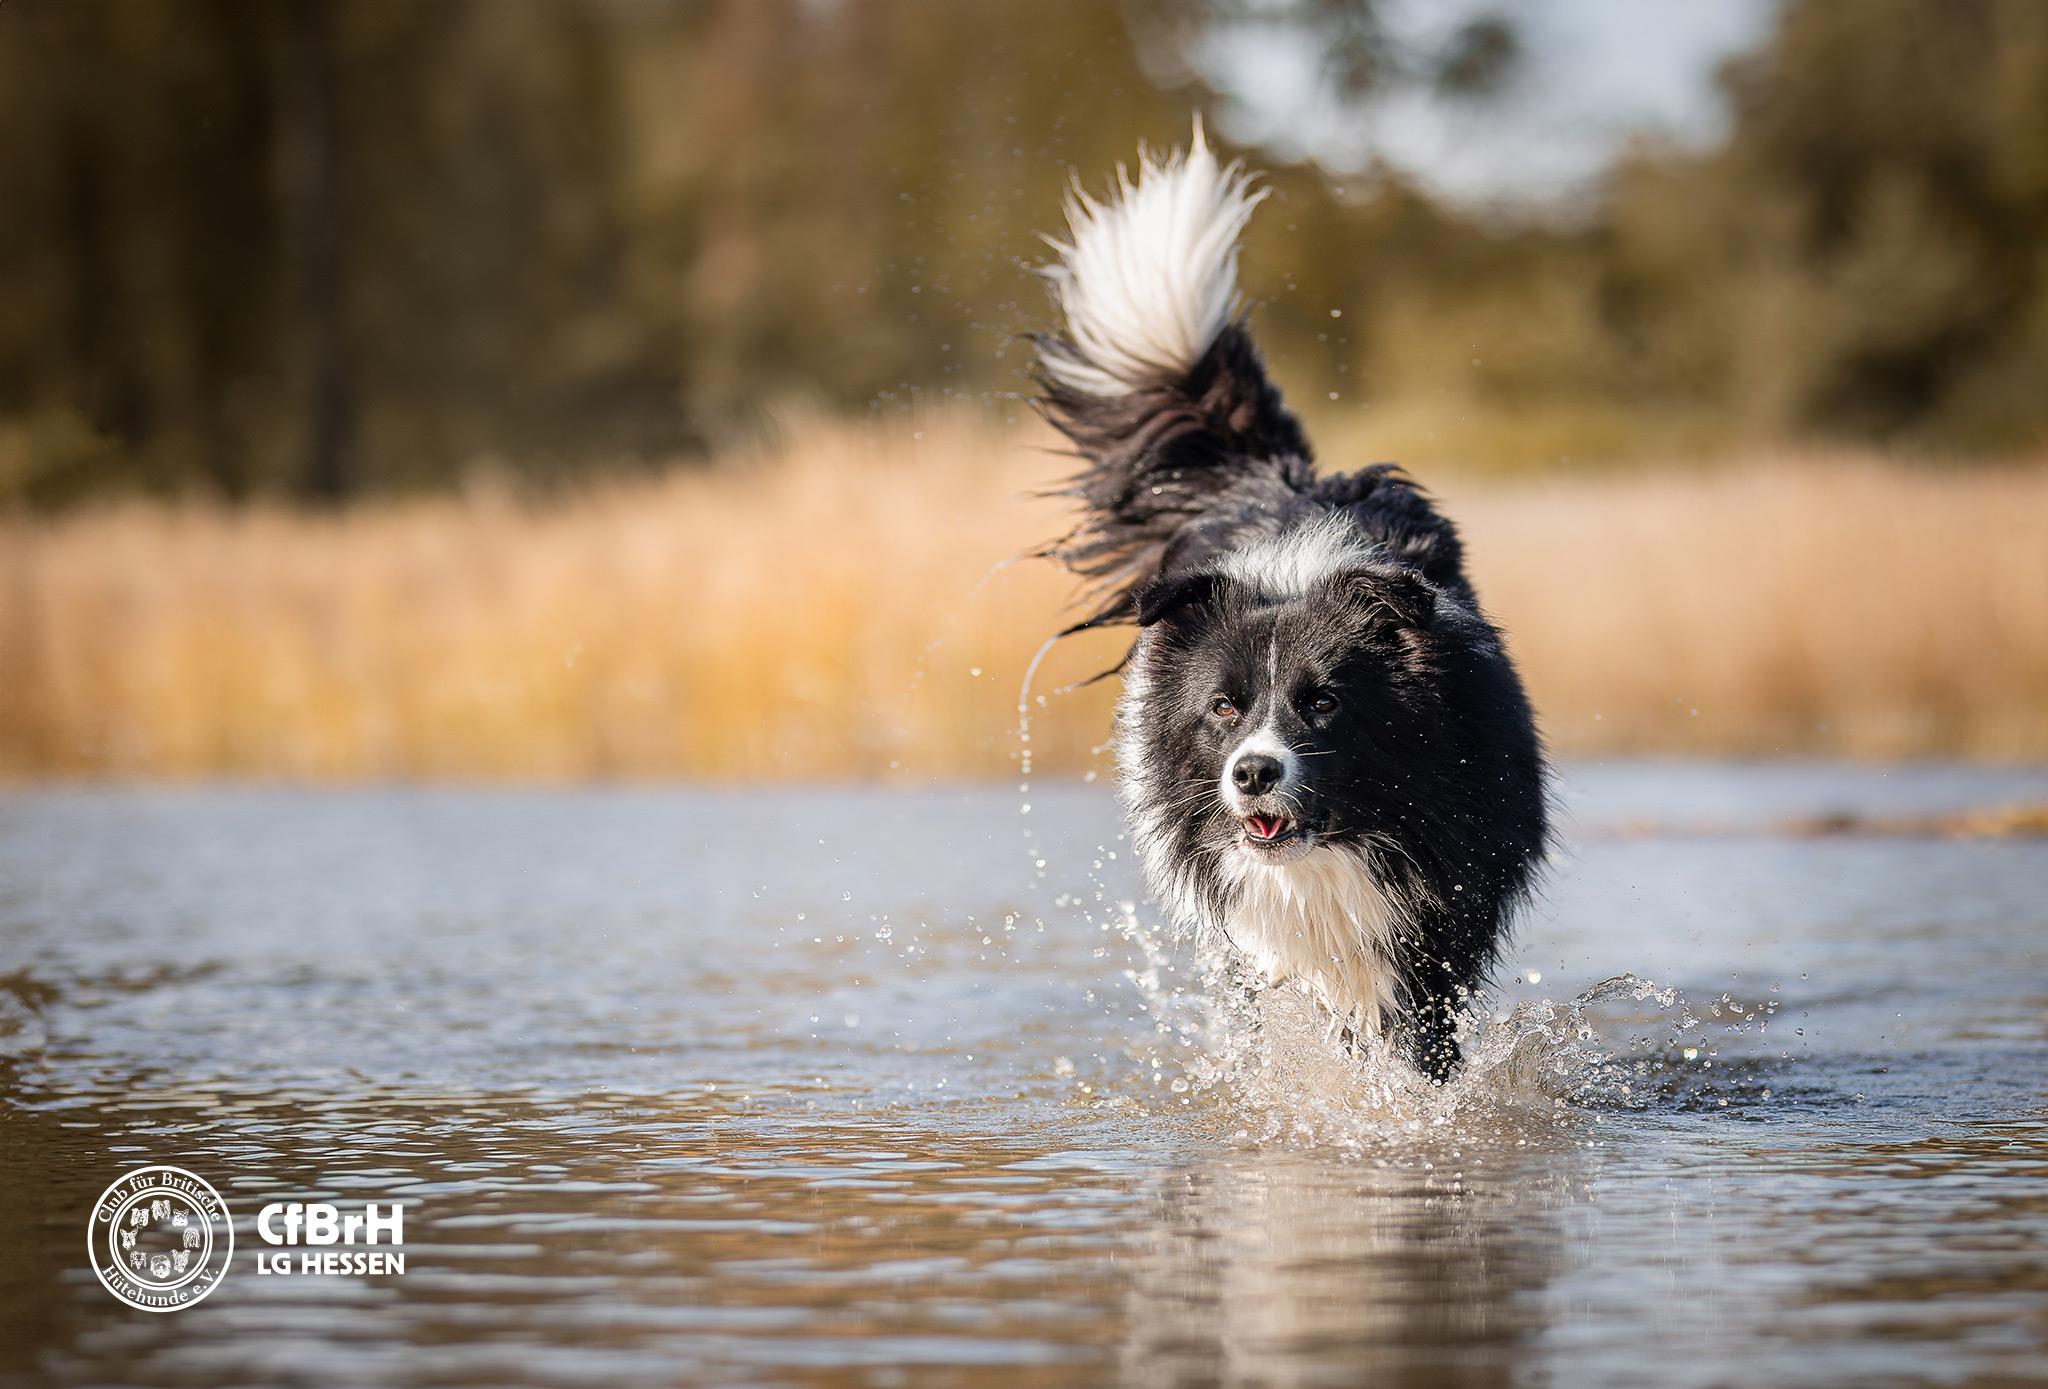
835 1088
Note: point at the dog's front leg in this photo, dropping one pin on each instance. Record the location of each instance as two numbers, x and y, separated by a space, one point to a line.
1432 1040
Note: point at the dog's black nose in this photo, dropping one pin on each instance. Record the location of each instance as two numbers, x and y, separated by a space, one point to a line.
1255 773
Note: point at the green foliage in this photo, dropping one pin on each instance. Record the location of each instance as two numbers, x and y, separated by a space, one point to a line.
1864 256
336 246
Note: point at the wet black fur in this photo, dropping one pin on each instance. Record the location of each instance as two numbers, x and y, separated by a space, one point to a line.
1429 767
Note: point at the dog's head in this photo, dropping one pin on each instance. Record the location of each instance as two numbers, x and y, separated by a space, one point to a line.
1327 755
1277 722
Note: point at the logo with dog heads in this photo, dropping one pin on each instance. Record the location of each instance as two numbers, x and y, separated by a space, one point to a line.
160 1239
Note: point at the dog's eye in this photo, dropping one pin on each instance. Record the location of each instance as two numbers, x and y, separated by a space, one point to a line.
1223 709
1322 703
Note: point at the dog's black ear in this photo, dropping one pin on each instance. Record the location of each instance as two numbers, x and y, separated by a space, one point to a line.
1402 592
1165 598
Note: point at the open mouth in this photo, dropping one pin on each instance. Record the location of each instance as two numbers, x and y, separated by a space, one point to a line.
1269 829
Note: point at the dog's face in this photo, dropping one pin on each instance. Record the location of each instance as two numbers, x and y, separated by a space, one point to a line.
1268 727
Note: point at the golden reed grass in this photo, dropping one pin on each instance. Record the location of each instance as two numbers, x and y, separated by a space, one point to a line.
839 607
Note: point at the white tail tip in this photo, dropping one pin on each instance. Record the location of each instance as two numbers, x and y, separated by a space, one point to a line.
1148 280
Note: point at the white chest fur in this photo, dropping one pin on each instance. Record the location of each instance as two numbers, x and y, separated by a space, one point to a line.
1323 923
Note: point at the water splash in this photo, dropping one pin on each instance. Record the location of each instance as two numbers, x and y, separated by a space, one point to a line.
1024 710
1271 1068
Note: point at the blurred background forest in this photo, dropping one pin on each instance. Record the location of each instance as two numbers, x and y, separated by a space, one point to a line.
328 247
483 268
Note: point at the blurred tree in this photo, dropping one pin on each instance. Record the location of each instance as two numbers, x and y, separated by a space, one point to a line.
314 177
313 246
1864 256
318 247
1358 54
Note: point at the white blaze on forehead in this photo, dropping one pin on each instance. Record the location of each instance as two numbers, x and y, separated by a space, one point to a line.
1265 740
1149 280
1291 563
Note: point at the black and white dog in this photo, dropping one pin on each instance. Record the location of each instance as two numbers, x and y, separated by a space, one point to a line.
1325 751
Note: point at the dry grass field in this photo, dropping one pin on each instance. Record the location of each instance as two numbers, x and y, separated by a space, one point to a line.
840 607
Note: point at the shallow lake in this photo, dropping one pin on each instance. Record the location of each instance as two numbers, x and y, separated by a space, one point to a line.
833 1087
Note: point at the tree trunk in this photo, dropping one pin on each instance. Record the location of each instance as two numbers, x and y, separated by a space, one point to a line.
317 221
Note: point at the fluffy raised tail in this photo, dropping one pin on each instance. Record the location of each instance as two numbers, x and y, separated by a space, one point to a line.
1154 378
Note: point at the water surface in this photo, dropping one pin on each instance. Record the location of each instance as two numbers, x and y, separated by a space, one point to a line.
826 1088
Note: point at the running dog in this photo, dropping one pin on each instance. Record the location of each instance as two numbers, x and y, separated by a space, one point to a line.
1325 753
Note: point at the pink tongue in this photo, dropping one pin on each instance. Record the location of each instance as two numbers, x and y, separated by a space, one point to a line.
1263 826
